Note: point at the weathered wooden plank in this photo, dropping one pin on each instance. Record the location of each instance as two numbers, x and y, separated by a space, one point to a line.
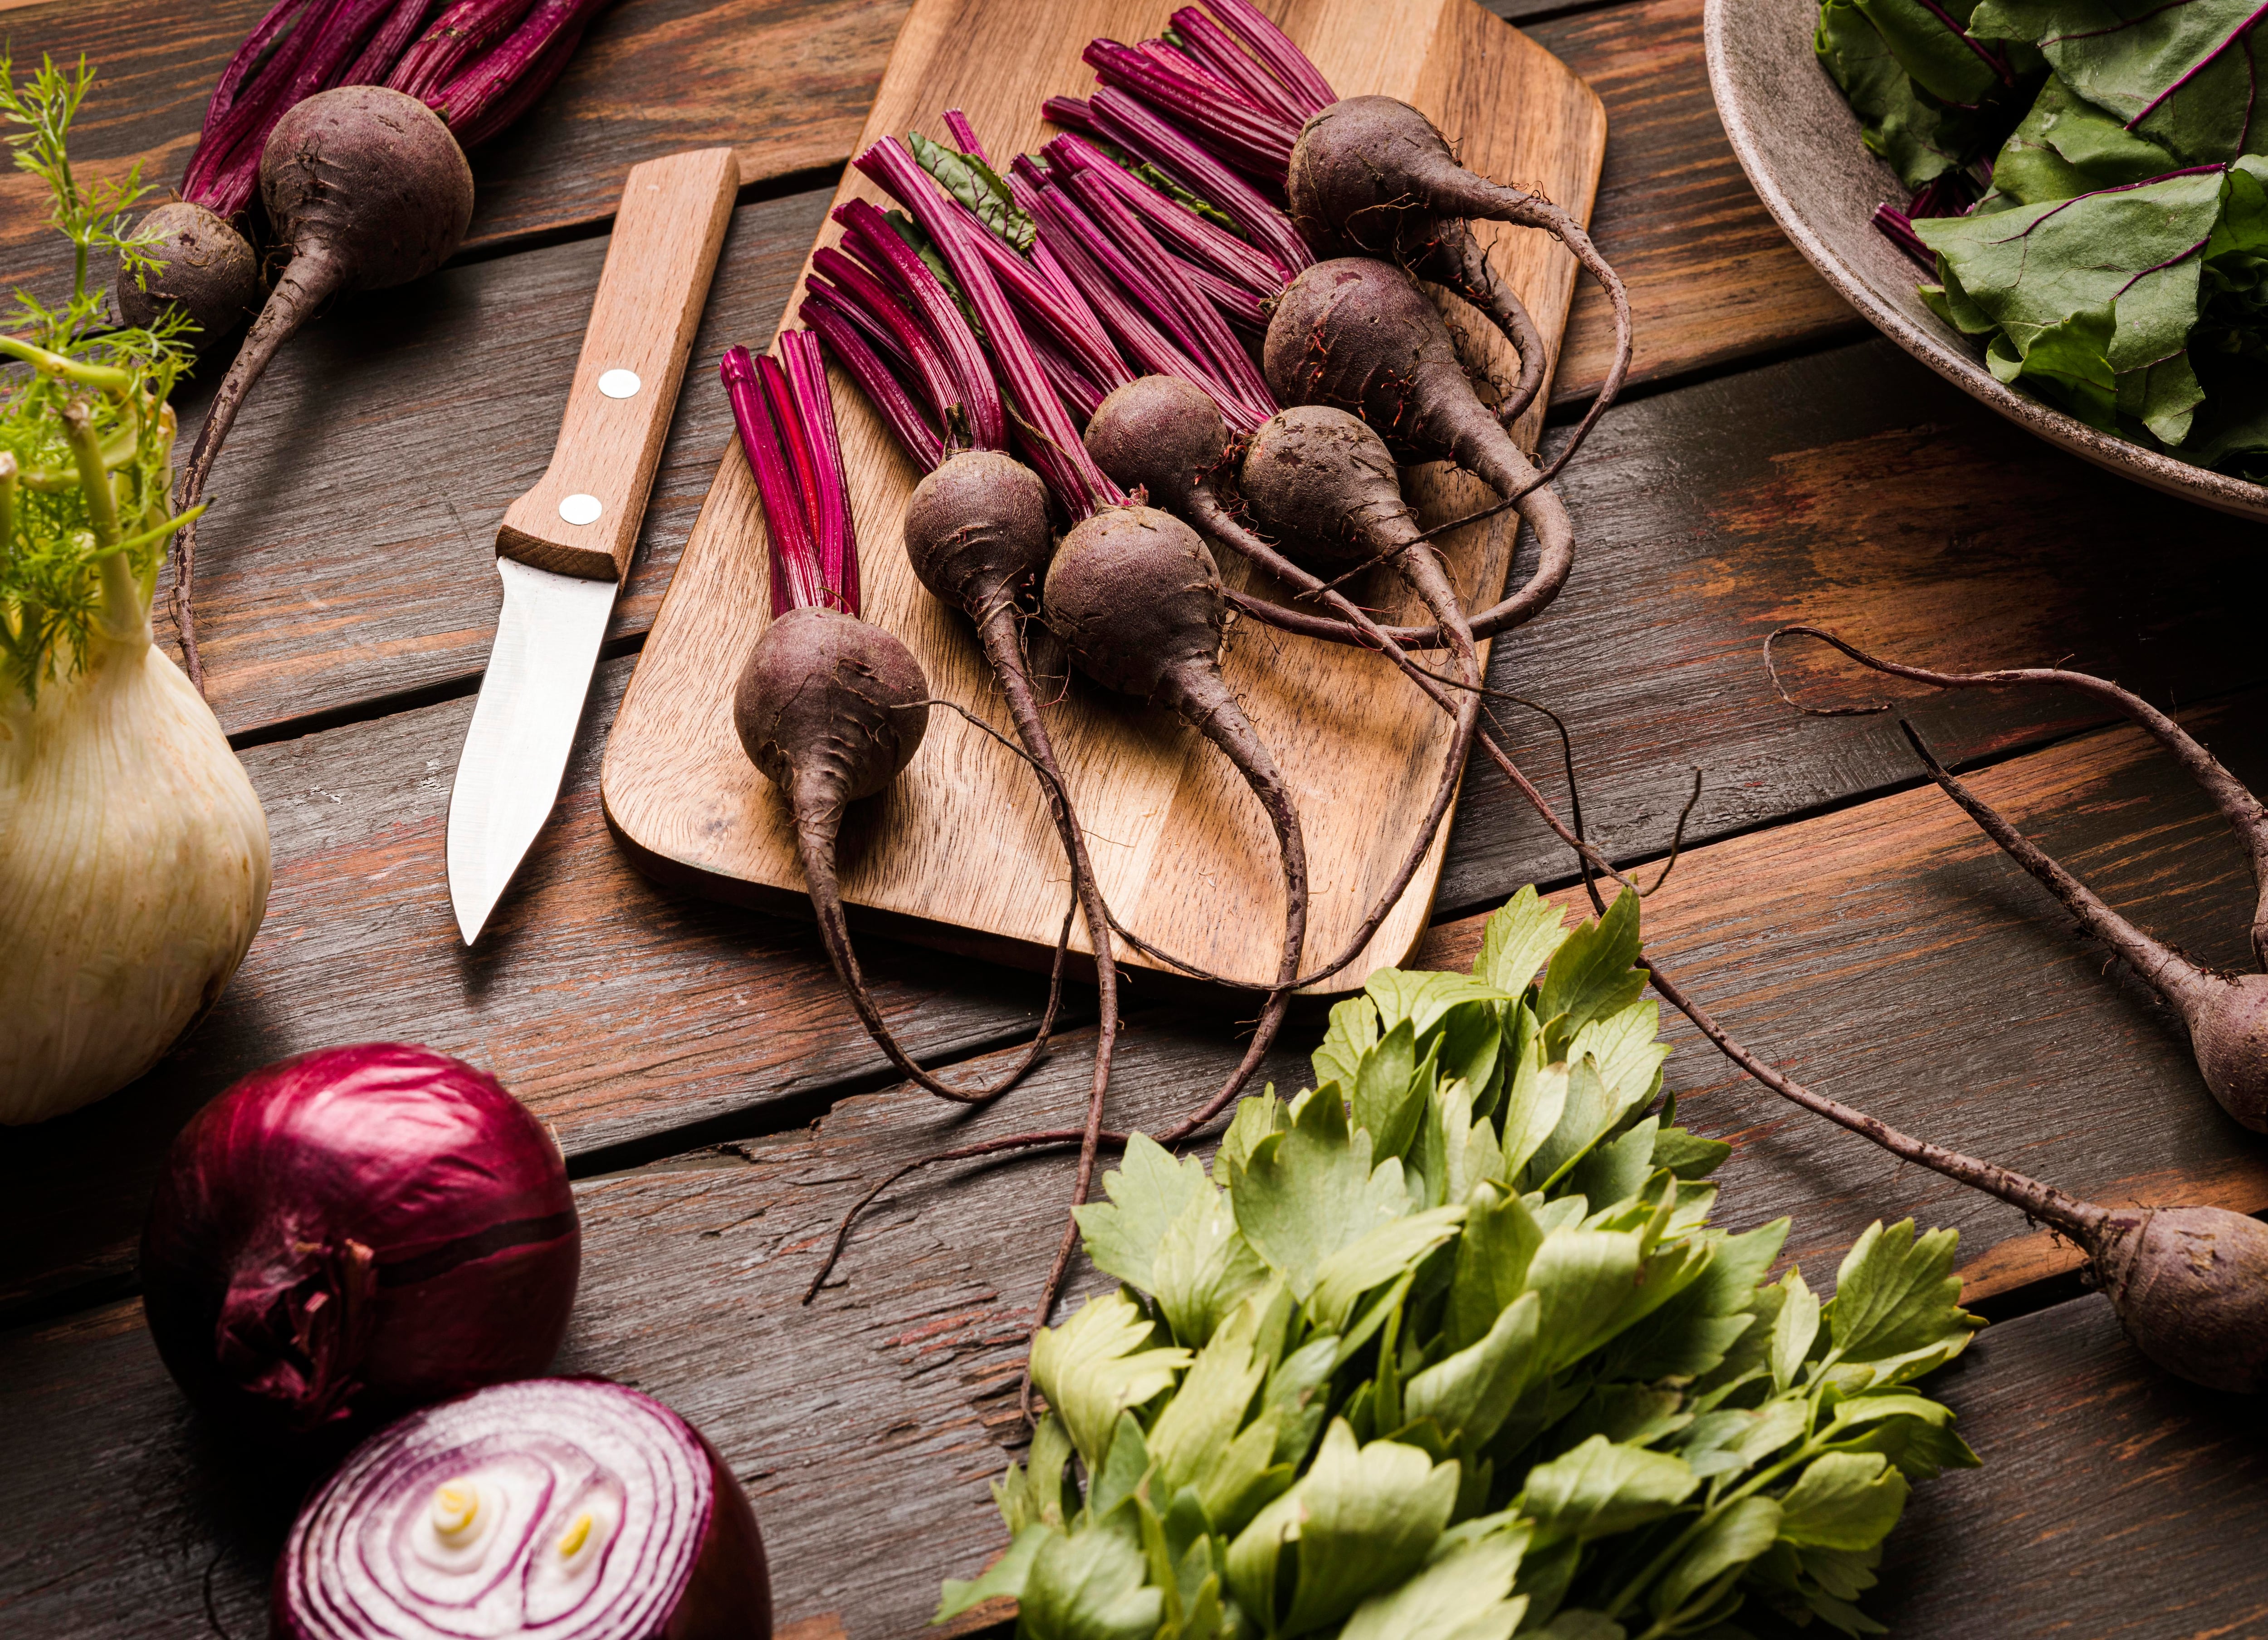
867 1426
1855 490
615 1008
1712 277
786 82
2115 1501
1891 956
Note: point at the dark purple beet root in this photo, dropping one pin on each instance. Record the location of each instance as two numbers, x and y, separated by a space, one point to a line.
210 274
1359 335
1320 479
1372 175
976 528
365 188
830 708
1161 434
2190 1285
2228 1032
1136 596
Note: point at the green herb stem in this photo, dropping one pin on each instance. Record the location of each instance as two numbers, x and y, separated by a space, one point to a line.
102 378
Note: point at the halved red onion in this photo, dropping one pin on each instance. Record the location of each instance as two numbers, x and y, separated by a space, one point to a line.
357 1231
571 1508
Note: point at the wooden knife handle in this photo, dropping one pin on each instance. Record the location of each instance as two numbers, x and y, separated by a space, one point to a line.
582 519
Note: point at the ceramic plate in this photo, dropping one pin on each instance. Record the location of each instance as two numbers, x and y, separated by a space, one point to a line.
1799 142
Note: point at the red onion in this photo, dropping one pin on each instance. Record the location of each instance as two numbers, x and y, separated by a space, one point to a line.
357 1231
571 1508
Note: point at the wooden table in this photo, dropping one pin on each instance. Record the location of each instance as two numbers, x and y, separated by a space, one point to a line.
1773 462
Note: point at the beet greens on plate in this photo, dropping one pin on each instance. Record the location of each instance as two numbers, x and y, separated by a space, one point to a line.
2089 192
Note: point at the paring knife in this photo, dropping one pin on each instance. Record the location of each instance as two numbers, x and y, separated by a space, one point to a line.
565 546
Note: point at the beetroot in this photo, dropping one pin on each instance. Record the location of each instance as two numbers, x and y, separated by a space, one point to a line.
1136 597
1314 474
368 190
830 707
1372 175
2226 1015
210 273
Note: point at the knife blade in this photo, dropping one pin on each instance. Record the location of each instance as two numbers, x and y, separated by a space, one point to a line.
564 547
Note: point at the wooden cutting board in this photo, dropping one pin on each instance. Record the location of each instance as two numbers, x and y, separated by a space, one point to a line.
960 851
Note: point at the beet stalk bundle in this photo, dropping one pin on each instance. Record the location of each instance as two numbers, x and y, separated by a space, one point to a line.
2226 1015
1133 592
977 530
364 184
830 707
1366 176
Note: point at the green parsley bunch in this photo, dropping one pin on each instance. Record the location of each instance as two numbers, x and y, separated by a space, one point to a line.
1445 1349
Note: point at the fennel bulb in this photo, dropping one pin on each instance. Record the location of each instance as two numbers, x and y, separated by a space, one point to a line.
133 874
133 852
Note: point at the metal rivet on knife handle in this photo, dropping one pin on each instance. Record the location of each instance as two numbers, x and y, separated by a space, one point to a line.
667 235
581 509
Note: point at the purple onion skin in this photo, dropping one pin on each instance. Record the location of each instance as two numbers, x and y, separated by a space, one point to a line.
358 1230
725 1593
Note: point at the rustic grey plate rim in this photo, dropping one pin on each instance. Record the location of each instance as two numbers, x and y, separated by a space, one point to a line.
1782 114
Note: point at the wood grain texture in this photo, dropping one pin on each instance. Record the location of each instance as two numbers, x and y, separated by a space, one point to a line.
2115 1501
1712 277
652 290
1890 955
1855 490
1183 853
867 1427
615 1009
786 82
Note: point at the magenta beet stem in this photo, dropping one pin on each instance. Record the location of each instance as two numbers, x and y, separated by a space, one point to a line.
1133 125
831 493
250 56
978 394
500 86
1175 302
950 229
1111 287
1024 181
857 287
1188 67
1191 234
1259 142
876 379
964 135
1273 46
1071 113
796 583
387 46
1211 45
463 31
1894 225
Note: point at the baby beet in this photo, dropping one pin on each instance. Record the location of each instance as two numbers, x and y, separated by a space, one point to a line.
2227 1014
1373 174
365 188
210 273
1136 596
1315 474
830 708
2189 1284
